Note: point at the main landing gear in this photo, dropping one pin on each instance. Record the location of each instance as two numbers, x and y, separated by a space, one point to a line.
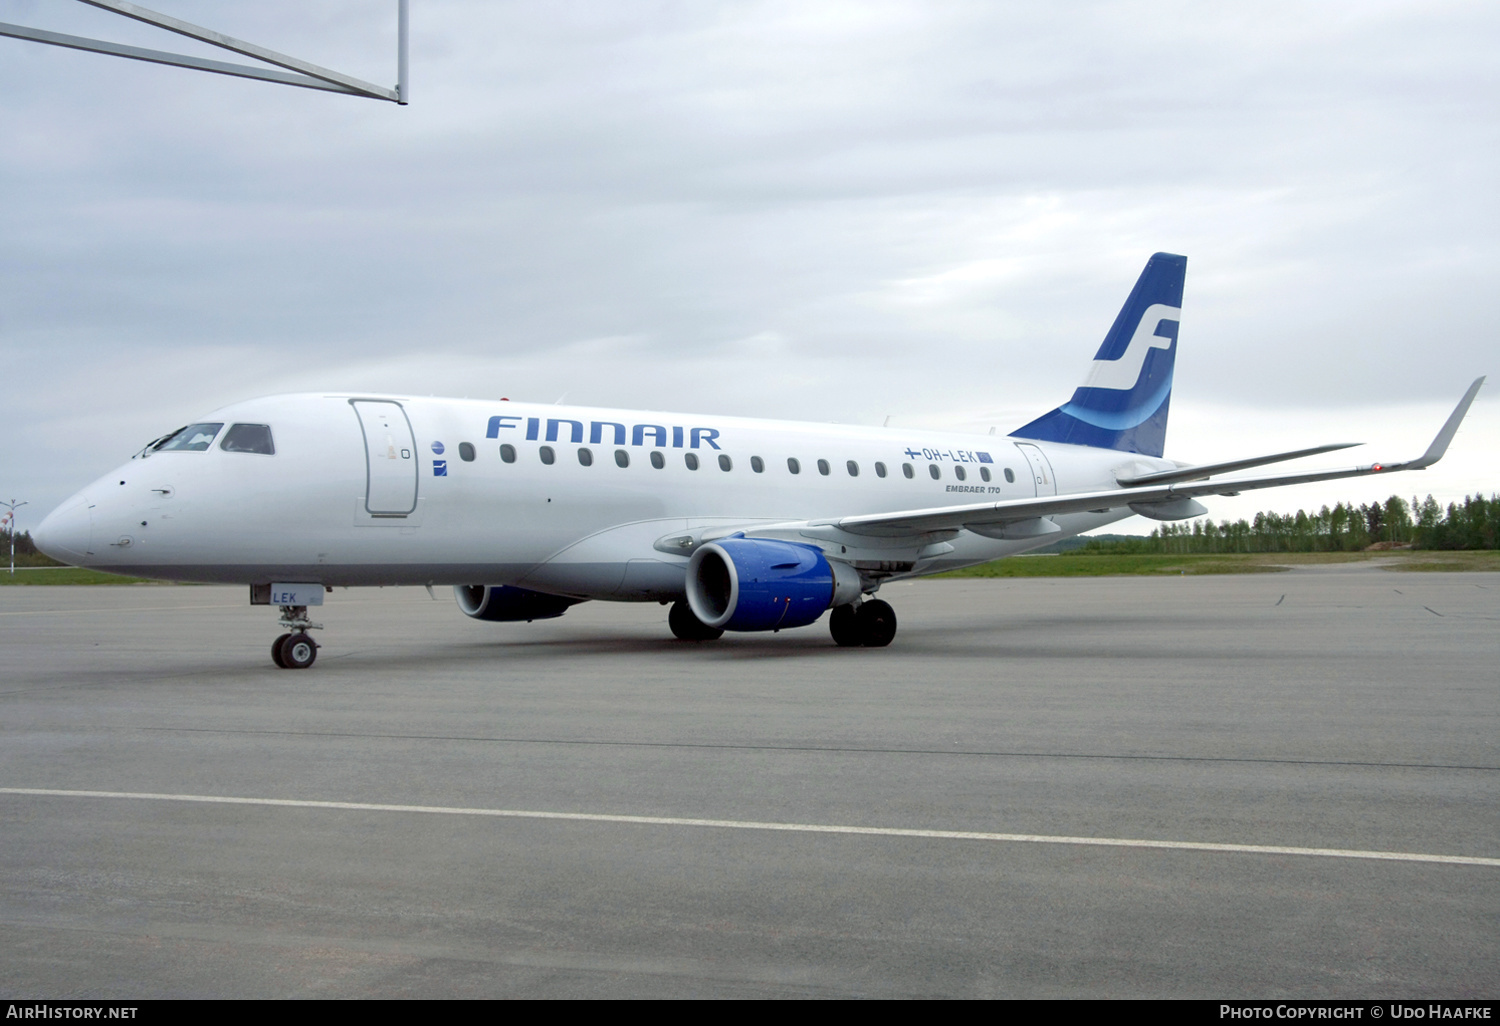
688 627
295 650
871 624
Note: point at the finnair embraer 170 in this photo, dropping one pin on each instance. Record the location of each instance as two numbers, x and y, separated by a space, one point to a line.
743 525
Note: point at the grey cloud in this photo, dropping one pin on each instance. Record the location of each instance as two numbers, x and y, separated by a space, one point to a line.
804 210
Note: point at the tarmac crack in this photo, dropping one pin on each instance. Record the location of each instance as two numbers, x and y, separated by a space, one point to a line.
849 749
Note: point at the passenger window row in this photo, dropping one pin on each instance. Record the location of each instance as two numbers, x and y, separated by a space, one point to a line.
690 459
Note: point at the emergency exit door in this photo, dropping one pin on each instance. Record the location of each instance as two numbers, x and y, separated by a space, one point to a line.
390 457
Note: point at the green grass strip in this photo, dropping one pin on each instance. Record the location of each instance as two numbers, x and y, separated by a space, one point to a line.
34 575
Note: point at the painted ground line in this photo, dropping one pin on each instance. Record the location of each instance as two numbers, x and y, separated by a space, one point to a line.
797 828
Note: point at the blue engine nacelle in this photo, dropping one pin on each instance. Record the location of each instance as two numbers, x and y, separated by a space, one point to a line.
759 584
503 603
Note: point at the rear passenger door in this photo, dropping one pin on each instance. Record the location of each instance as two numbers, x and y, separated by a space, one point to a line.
1041 469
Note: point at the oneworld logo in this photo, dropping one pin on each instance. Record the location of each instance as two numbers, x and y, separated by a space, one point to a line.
1122 374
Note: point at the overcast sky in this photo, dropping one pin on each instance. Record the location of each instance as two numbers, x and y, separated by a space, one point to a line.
813 210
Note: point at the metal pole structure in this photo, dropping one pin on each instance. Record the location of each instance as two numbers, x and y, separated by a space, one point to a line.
297 72
11 517
403 96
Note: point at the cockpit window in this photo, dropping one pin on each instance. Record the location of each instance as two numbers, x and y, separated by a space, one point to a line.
193 438
249 438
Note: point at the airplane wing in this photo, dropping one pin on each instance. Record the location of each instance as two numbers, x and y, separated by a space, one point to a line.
1206 470
1166 490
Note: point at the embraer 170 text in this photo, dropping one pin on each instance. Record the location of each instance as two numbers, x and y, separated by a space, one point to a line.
743 525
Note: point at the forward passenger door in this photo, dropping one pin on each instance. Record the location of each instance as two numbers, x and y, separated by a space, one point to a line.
390 457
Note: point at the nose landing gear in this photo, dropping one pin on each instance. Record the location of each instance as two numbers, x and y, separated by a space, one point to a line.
295 650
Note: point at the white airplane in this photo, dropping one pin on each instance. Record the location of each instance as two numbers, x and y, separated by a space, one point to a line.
743 525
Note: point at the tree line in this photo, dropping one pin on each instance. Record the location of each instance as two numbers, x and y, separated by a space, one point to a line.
26 551
1473 523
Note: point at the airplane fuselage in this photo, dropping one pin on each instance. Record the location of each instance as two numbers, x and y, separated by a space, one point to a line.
392 490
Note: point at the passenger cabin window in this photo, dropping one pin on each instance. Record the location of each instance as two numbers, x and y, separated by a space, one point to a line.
1010 475
547 455
793 465
658 460
465 451
622 458
853 468
935 471
984 473
691 459
249 438
586 457
880 470
757 464
823 467
725 463
959 473
508 453
193 438
906 469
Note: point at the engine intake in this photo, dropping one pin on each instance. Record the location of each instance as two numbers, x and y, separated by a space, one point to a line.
760 584
503 603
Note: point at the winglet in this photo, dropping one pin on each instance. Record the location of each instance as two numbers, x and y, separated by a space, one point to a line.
1439 444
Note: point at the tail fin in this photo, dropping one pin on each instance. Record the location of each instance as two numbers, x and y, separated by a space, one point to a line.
1123 402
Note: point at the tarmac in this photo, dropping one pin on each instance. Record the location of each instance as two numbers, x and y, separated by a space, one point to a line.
1274 785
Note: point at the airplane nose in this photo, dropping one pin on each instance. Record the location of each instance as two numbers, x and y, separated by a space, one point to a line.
67 533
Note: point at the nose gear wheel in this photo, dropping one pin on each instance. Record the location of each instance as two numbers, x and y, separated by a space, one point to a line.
295 650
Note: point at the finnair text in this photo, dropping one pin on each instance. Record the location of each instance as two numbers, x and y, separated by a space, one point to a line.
639 434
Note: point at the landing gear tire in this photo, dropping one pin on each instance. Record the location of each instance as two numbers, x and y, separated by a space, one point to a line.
276 650
877 623
688 627
843 624
297 652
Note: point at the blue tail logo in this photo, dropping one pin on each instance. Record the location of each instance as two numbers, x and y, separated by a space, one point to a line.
1123 402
